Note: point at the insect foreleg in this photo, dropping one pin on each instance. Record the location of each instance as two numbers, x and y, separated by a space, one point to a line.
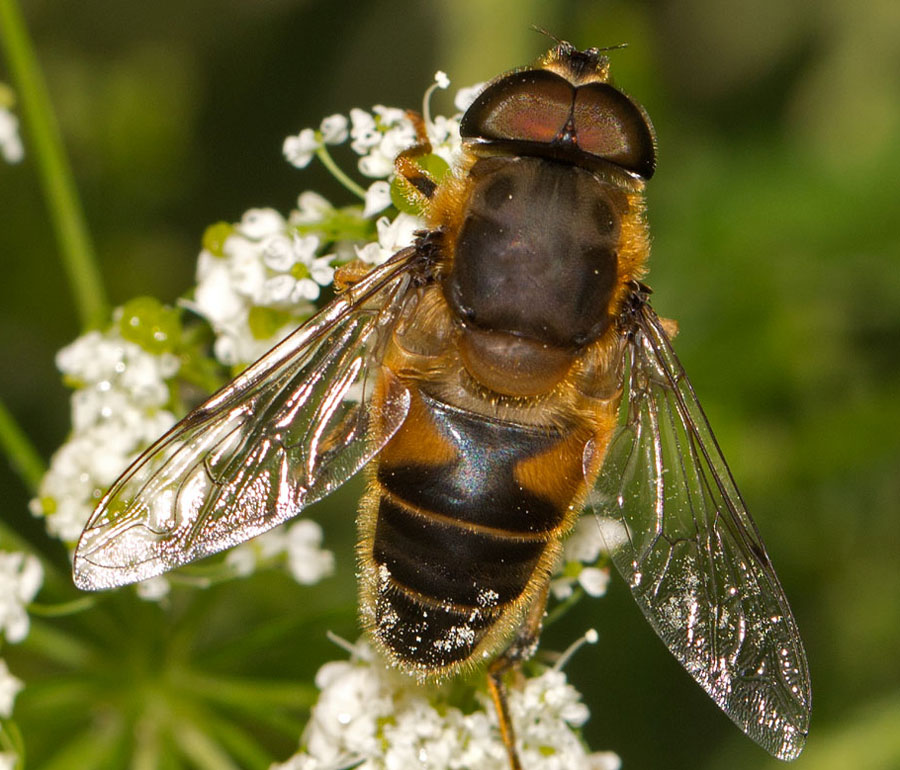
520 649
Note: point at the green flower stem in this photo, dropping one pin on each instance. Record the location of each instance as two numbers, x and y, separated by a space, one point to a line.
323 155
63 609
202 750
146 754
21 452
59 646
240 744
11 740
242 693
94 748
55 174
564 606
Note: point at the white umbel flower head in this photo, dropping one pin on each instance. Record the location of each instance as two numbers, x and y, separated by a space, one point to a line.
118 409
374 718
262 282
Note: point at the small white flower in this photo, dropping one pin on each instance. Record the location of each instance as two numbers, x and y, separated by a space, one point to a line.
259 223
242 560
307 561
21 576
334 129
10 143
379 162
465 96
586 542
594 581
154 589
612 533
390 116
378 198
10 687
581 551
376 164
278 290
299 149
363 131
441 79
278 252
300 544
605 760
311 209
392 236
321 271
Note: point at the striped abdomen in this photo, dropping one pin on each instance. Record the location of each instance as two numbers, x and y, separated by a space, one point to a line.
462 529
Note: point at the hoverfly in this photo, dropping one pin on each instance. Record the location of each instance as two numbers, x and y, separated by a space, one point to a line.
497 378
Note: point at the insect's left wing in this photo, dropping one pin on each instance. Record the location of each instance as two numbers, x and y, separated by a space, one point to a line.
287 431
679 533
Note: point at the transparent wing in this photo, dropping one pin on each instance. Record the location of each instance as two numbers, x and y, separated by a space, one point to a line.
291 428
679 533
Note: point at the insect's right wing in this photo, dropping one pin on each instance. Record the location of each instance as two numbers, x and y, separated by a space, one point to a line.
679 533
287 431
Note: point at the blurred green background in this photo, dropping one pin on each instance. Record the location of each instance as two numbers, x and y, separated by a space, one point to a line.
775 225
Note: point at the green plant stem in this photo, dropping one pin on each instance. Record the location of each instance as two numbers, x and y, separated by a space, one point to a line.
564 606
45 143
200 749
18 448
63 609
323 155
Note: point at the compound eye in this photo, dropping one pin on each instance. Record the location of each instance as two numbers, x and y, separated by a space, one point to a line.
530 106
611 126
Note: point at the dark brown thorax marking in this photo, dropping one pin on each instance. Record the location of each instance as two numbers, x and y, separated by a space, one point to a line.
534 269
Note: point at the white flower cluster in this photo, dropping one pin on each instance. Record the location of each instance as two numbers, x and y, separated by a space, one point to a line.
379 136
263 283
118 409
10 142
259 285
21 576
393 235
374 718
301 545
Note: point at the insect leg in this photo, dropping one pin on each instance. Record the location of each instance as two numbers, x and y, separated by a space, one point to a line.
520 648
414 182
350 273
